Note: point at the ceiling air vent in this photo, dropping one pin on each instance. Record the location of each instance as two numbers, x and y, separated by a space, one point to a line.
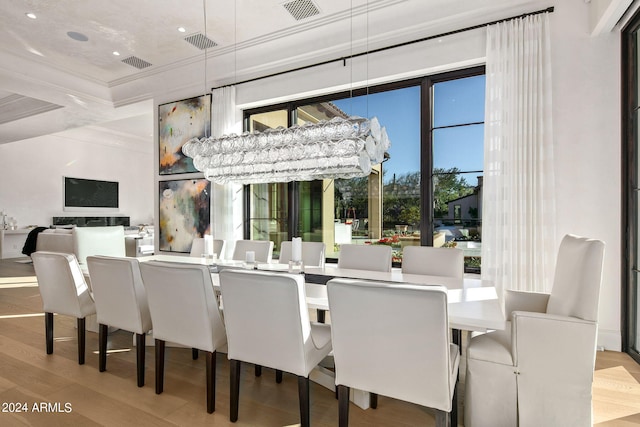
136 62
201 41
301 9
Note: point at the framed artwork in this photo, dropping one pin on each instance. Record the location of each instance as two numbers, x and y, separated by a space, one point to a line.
185 213
178 122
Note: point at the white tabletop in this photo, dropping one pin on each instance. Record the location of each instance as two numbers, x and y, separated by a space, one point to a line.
473 303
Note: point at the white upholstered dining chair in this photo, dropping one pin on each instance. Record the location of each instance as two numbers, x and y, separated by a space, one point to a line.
63 291
410 322
539 371
365 257
184 310
198 247
219 248
268 324
107 241
431 261
121 302
312 253
263 250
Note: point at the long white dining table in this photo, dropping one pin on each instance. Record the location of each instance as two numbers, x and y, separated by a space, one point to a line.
473 303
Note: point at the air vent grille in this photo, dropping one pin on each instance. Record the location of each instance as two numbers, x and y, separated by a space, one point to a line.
136 62
301 9
201 41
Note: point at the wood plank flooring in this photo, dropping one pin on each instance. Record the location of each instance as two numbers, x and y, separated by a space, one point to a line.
66 393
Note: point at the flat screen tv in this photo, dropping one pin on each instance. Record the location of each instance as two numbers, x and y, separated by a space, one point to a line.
80 194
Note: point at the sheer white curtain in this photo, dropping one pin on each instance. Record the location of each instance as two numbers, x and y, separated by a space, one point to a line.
518 219
226 205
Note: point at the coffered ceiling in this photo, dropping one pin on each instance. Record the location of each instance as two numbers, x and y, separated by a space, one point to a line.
59 71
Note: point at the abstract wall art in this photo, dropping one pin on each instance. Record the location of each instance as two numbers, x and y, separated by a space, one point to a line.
185 213
178 122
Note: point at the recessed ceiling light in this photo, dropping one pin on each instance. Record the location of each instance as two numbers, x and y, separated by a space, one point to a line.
182 29
77 36
116 53
31 15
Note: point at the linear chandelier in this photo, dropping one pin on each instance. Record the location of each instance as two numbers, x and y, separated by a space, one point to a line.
337 148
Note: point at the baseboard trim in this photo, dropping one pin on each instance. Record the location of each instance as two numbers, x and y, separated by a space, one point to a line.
609 340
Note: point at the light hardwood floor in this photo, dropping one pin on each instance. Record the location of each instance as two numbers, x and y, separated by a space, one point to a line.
28 375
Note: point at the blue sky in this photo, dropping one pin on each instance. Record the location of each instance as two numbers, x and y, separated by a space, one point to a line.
455 102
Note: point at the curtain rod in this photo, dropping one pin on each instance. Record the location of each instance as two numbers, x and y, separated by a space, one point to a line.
345 58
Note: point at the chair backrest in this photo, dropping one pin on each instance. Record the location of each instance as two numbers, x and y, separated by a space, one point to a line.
262 248
216 247
365 257
410 323
432 261
62 285
55 240
121 300
197 247
312 253
266 318
183 305
577 280
219 246
107 241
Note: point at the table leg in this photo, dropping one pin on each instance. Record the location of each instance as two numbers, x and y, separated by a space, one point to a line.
457 338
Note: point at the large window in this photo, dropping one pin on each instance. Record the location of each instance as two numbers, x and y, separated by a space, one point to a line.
371 210
427 191
268 209
457 138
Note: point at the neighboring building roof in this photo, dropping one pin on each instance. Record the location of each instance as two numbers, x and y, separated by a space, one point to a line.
320 111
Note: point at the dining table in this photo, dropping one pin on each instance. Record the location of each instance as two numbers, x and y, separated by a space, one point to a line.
473 303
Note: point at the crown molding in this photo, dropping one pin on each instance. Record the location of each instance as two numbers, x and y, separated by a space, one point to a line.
16 107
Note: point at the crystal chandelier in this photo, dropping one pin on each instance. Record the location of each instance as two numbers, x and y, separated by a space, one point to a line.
338 148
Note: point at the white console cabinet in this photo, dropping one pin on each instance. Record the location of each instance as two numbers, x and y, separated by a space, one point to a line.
137 246
12 242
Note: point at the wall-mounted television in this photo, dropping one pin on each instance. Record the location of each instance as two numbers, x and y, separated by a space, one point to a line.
81 194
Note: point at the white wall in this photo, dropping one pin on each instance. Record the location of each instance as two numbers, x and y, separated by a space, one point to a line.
31 181
430 57
586 114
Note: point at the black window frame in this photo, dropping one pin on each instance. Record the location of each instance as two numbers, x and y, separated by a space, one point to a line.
426 84
630 222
